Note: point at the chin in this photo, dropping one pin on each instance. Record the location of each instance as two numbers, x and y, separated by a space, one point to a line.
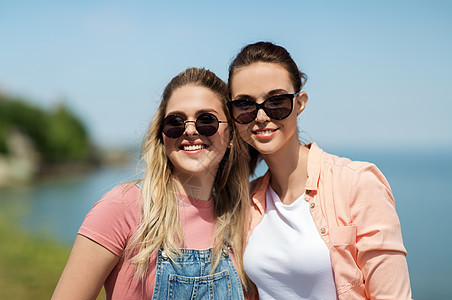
264 148
196 170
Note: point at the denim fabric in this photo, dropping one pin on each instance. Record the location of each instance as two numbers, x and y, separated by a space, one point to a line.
189 277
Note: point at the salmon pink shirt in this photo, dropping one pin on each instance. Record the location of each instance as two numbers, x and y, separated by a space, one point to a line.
115 218
354 212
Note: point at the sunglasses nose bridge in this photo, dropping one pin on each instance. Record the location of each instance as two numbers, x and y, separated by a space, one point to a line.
190 129
261 113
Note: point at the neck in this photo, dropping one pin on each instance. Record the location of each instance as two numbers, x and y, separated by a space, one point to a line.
288 169
196 186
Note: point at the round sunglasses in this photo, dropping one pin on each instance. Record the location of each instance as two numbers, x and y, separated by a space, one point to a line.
278 107
206 124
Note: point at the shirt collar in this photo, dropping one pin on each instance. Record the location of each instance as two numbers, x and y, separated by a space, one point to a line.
314 159
259 186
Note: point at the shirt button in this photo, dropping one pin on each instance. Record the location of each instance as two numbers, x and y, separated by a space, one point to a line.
312 205
164 255
322 230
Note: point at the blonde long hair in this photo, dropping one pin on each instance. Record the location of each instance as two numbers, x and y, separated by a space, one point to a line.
160 224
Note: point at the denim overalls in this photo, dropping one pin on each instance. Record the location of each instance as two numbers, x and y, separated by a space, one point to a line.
190 278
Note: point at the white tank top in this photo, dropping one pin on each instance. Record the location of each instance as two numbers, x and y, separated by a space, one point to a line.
286 257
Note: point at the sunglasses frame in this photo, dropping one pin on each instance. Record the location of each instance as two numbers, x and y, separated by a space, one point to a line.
262 106
192 121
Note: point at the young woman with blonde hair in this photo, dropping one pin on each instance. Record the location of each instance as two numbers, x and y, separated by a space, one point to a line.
172 235
322 227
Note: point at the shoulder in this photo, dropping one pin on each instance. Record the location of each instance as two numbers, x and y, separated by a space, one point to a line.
342 173
346 168
114 218
325 167
361 182
125 195
339 162
122 202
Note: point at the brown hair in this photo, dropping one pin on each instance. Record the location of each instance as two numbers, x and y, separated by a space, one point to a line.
269 53
159 225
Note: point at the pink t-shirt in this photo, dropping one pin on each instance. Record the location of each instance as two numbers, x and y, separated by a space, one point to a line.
113 221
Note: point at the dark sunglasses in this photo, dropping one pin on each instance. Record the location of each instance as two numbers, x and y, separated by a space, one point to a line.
206 124
278 107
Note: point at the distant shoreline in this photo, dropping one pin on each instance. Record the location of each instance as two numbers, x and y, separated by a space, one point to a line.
18 171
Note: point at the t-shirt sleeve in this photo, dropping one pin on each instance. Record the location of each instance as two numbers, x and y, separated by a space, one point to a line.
113 220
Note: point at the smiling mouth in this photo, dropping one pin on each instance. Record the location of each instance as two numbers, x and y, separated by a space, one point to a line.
264 131
193 147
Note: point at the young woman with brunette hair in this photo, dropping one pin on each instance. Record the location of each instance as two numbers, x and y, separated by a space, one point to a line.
172 235
322 226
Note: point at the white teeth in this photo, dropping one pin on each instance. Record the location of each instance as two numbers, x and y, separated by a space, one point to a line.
266 132
194 147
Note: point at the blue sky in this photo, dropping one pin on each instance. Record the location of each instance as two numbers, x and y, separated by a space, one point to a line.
379 71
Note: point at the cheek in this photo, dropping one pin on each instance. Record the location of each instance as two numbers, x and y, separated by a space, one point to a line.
292 122
244 131
223 139
168 144
165 141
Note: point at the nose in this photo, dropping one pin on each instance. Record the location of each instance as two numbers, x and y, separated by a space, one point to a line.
190 128
261 116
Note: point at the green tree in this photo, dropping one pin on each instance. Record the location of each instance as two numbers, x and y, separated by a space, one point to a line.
58 135
67 138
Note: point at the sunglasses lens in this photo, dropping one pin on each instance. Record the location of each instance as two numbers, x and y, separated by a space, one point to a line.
207 124
278 107
173 126
243 111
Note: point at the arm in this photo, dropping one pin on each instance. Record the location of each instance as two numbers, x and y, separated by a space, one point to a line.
380 250
87 268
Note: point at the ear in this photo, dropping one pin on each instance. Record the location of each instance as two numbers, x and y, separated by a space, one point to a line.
300 102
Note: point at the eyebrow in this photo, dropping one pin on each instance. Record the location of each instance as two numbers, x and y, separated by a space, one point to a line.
198 112
269 94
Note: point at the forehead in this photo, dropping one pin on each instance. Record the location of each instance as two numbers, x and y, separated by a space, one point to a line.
190 99
260 77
